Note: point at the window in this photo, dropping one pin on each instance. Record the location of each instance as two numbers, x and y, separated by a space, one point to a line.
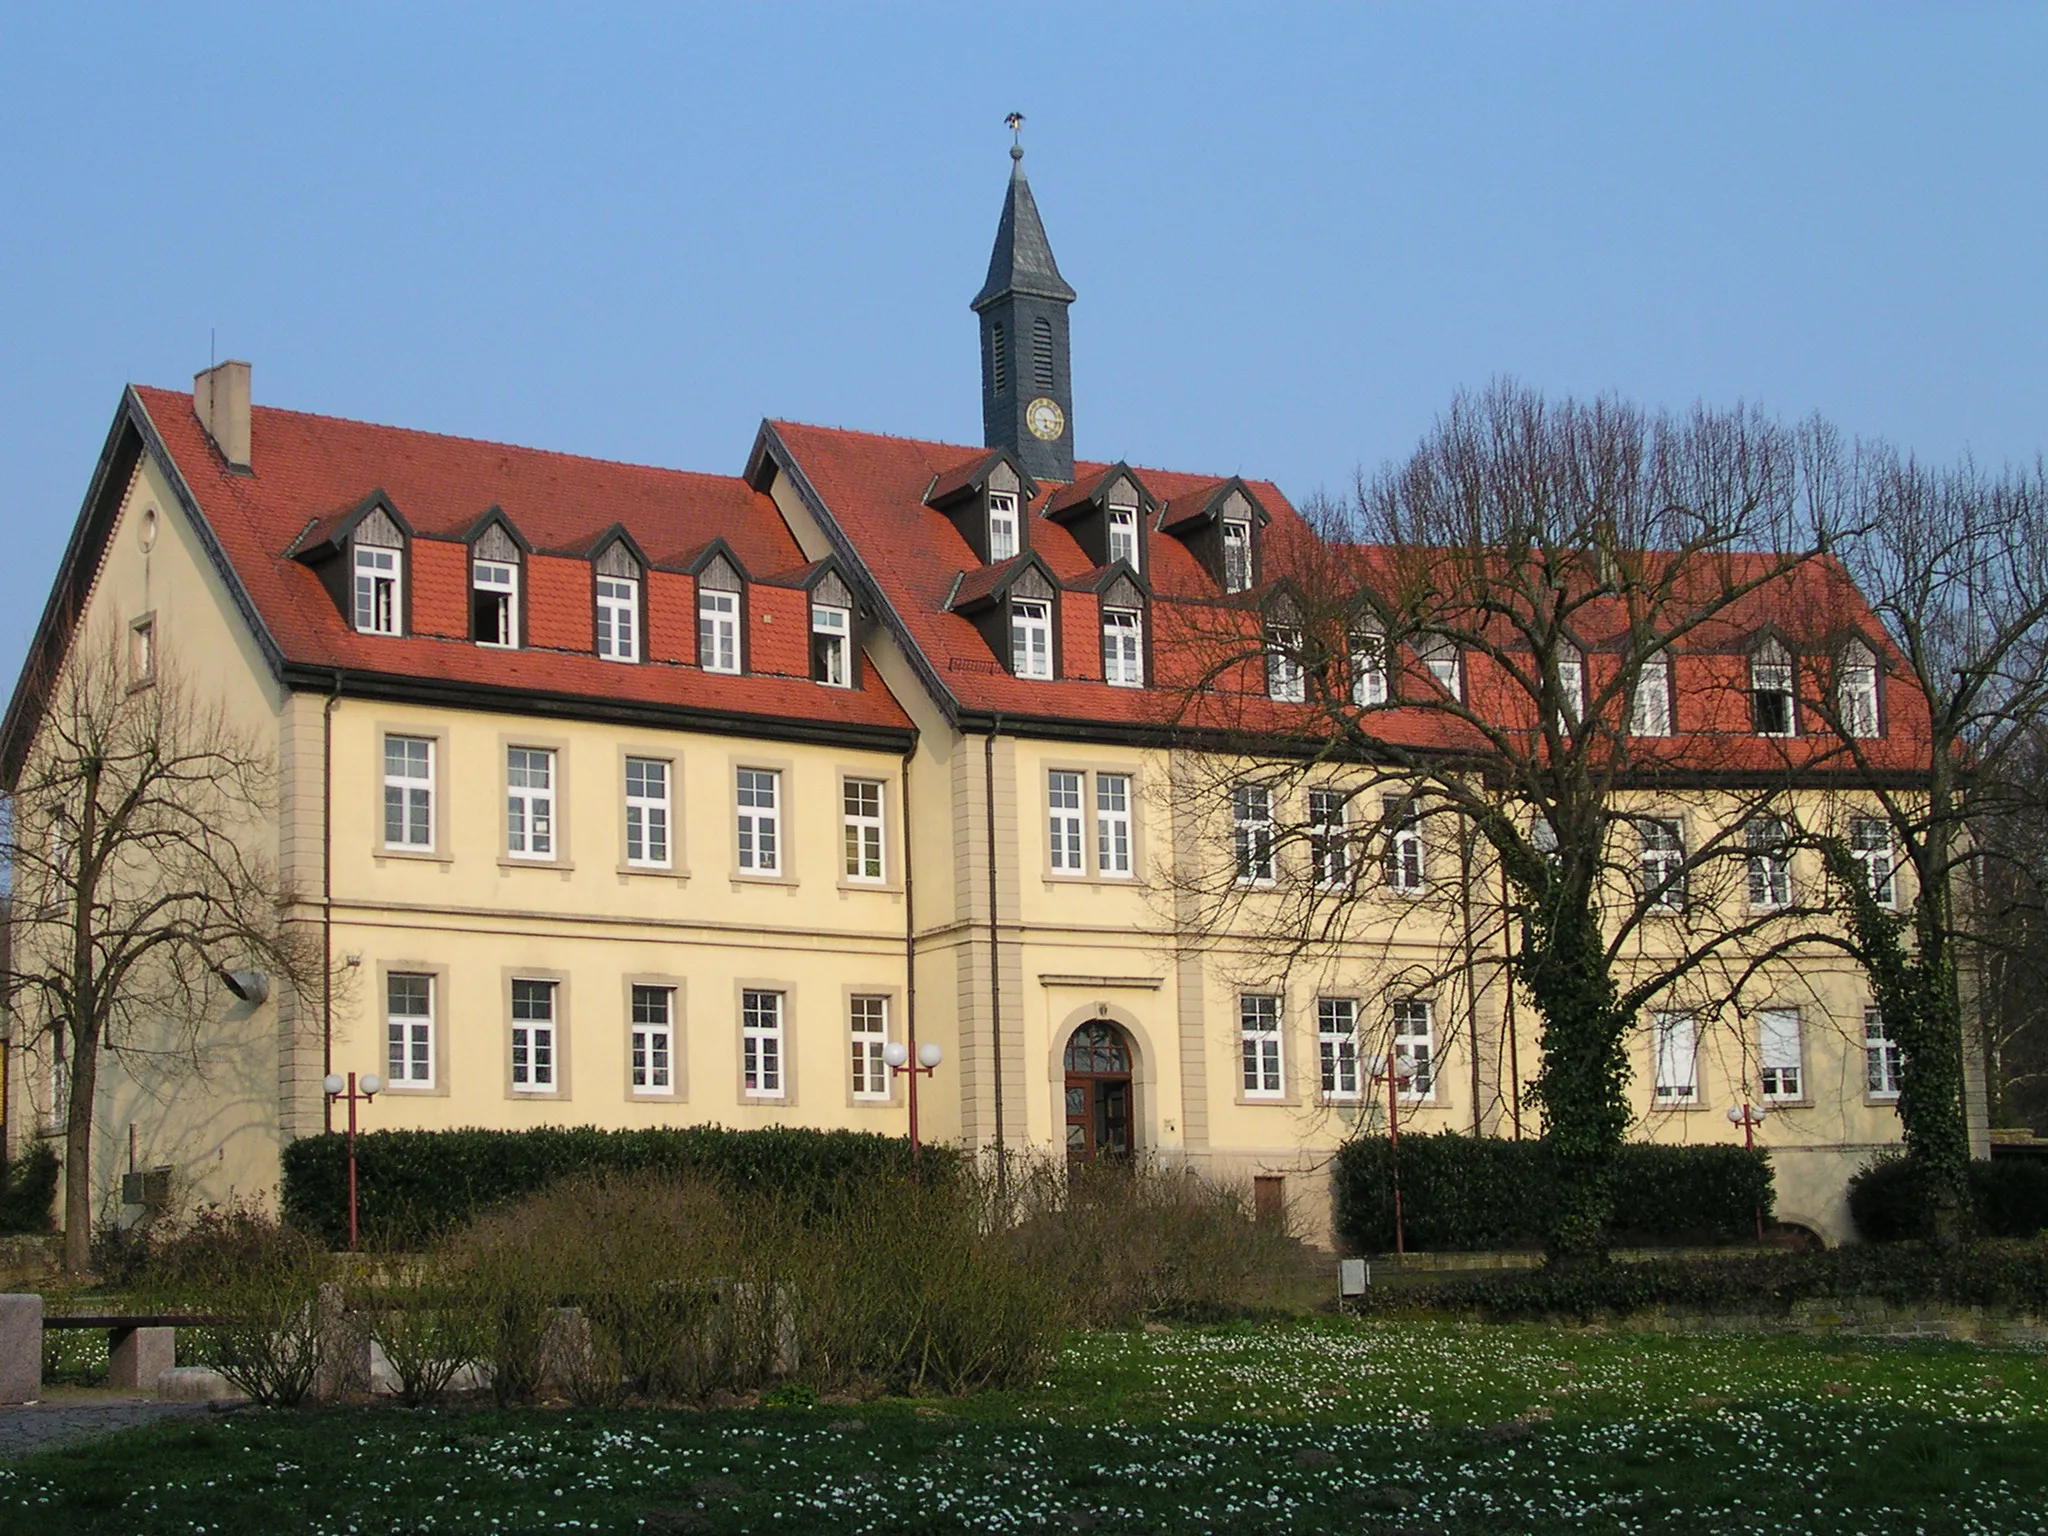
1414 1054
1770 690
1329 837
1543 838
1258 1024
1404 868
1002 526
718 631
1251 827
1123 647
862 801
1112 824
1663 864
1571 689
529 803
1881 1059
1778 1054
1870 844
654 1039
378 604
142 652
1674 1039
408 792
1030 637
1237 555
409 1031
831 645
493 602
647 812
1649 711
618 622
1439 653
1063 811
1285 679
1337 1046
761 1044
870 1039
1770 866
1123 536
533 1036
1856 693
760 821
1368 668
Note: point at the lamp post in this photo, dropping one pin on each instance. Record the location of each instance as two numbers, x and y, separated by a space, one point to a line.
338 1089
897 1055
1394 1072
1749 1116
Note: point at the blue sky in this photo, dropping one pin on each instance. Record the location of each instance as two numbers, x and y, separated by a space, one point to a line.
1295 232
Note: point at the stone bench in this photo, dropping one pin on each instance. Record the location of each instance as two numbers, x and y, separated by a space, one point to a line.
141 1346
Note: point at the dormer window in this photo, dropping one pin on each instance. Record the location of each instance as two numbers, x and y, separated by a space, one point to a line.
493 603
1571 688
1650 706
1123 536
1439 653
1368 666
1772 705
618 608
1856 691
378 595
1237 555
718 631
831 645
1002 527
1030 637
1123 647
1286 680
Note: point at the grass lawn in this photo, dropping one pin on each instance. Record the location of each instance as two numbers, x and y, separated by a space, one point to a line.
1325 1426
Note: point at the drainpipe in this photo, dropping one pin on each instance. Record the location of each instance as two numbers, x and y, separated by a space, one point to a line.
909 925
995 970
1507 949
327 894
1471 993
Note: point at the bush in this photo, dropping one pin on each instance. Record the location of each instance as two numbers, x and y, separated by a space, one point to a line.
2012 1196
26 1189
413 1185
1890 1201
1464 1192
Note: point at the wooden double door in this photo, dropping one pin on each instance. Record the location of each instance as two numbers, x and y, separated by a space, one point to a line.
1101 1102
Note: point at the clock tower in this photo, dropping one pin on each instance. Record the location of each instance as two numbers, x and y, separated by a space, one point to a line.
1027 401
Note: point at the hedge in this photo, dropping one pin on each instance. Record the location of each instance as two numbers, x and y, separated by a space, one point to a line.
1465 1192
414 1184
1985 1276
1888 1203
26 1189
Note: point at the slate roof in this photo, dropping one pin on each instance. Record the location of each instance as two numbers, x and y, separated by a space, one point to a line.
1022 260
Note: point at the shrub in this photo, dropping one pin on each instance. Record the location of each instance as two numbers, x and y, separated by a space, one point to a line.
413 1185
1890 1200
27 1187
1464 1192
426 1322
2012 1196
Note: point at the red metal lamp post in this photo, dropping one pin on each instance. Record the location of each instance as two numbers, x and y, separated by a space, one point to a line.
1395 1073
1749 1116
337 1089
897 1055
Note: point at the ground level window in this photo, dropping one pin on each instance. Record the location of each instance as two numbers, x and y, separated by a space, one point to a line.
1258 1025
1778 1049
1337 1046
1674 1041
654 1039
409 1031
761 1044
1415 1047
533 1036
870 1040
1882 1064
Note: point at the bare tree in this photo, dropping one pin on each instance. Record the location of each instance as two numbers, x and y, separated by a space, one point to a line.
139 816
1526 637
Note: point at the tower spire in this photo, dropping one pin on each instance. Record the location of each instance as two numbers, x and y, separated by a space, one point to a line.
1026 383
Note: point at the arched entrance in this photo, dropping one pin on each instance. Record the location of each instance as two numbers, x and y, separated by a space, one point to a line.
1101 1106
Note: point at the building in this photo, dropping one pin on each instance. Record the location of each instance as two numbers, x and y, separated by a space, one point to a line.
629 796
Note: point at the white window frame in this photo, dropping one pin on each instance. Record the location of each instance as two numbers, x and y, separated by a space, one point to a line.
1064 788
651 1056
1329 837
1286 677
1368 668
618 618
1870 845
862 805
1031 637
1415 1048
1251 833
499 578
1571 688
648 813
1260 1072
1237 554
1883 1062
757 811
1663 860
1771 675
1440 658
718 630
1123 647
409 1035
407 791
536 1038
833 626
1115 848
1675 1057
1337 1048
142 651
1405 866
1769 864
1120 540
1780 1072
868 1024
530 826
1856 696
1649 710
379 589
1002 527
764 1058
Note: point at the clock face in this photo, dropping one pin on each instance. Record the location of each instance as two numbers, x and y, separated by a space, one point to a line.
1044 419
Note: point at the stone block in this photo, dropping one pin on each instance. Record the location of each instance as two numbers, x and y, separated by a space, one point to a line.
21 1349
195 1384
137 1356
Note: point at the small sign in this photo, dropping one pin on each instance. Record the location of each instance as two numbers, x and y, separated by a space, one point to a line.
1352 1277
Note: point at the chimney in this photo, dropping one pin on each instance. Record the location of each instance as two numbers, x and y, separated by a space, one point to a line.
220 396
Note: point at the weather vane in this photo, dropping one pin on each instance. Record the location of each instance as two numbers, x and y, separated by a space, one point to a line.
1015 123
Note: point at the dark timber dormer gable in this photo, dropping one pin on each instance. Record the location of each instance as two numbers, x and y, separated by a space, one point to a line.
1027 395
984 498
1221 525
1016 607
329 547
1109 515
